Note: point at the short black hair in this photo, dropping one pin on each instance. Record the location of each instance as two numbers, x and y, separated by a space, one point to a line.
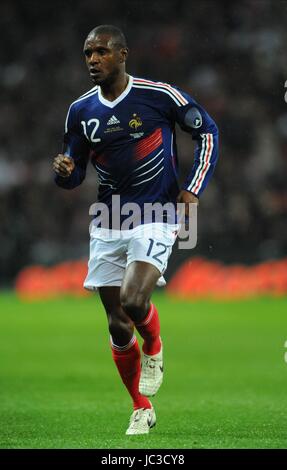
117 35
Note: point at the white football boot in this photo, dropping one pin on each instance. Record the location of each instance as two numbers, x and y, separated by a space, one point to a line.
151 374
141 421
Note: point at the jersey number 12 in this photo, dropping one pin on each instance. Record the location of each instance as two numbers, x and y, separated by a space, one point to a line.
92 137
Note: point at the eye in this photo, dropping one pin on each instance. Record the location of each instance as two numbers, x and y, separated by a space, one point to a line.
88 52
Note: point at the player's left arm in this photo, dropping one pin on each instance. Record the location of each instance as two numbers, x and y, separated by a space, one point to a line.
194 119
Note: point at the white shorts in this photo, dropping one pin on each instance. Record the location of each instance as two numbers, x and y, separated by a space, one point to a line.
111 251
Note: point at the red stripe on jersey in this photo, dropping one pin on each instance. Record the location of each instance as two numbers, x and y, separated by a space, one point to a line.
207 158
101 159
163 85
145 146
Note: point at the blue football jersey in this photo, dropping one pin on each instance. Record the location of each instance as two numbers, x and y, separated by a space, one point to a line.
131 142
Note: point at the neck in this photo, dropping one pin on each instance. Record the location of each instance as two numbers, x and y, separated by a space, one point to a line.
112 90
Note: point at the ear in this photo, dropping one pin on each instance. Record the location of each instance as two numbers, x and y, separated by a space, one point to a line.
124 54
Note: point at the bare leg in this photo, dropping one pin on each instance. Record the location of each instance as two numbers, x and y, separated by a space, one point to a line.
138 284
120 325
125 348
137 287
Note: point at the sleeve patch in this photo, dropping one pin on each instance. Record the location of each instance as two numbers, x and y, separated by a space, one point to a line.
193 118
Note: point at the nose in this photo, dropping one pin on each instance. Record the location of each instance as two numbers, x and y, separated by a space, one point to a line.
94 58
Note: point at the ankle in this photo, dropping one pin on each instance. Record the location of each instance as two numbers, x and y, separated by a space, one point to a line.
152 346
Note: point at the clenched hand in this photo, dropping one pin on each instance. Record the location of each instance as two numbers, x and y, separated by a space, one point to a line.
186 197
63 165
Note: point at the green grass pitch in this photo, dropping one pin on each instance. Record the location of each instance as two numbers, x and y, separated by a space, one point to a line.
224 387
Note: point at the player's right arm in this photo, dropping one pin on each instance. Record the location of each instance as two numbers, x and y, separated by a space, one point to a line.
70 167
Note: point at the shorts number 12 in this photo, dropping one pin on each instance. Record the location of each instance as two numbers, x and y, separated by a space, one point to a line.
156 255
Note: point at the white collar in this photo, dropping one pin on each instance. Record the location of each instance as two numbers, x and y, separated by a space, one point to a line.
112 104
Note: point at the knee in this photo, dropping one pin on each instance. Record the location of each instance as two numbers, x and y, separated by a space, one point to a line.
119 327
135 305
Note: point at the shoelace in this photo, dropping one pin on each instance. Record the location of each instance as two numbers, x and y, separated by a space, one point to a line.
135 418
150 362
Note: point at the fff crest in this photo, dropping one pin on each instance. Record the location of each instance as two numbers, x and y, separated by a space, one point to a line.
135 122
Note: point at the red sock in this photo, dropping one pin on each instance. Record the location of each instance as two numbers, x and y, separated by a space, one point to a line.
128 362
149 330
